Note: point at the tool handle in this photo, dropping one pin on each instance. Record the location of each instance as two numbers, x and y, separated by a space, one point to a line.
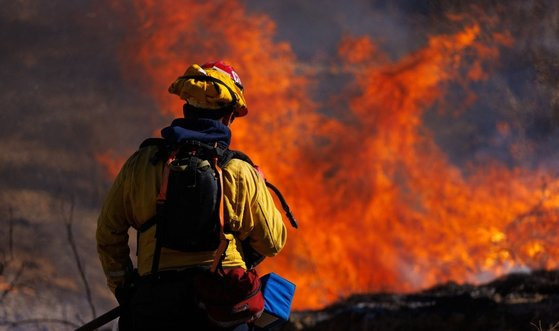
101 320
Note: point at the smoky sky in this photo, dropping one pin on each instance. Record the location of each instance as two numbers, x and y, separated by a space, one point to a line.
62 96
314 28
520 91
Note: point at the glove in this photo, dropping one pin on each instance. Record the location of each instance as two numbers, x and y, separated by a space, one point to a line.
251 256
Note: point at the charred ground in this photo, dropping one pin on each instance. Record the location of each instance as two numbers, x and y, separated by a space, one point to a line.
518 301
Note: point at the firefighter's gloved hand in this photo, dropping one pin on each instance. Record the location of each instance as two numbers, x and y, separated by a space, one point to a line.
251 256
124 293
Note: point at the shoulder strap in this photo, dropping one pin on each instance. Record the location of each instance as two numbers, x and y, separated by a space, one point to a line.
161 198
219 254
153 141
164 149
230 154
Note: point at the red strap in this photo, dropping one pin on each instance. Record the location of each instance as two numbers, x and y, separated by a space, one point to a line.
162 196
223 242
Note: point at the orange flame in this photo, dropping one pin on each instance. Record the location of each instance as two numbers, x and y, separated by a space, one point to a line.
111 162
380 205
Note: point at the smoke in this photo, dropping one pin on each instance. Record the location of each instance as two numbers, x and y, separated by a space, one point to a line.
514 114
63 98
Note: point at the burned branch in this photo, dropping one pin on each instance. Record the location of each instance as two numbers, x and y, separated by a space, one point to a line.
11 234
14 282
68 222
8 257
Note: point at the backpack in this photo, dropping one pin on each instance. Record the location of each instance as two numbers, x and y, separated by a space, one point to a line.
187 216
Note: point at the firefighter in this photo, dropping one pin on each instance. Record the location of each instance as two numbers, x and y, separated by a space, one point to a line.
163 298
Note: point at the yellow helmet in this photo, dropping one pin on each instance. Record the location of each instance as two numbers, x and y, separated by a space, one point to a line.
201 87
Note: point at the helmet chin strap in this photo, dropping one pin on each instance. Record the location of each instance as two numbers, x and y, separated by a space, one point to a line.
228 119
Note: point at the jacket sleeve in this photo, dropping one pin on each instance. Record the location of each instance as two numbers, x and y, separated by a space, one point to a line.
251 211
112 233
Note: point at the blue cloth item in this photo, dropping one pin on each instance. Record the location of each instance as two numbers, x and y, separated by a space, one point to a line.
278 294
201 129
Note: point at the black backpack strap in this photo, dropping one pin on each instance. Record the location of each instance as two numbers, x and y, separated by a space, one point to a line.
156 255
163 152
219 254
164 149
143 228
153 141
148 224
233 154
230 154
284 205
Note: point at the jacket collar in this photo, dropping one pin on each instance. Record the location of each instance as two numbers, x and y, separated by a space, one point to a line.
201 129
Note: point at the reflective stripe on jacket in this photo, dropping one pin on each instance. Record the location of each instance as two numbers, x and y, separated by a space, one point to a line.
249 211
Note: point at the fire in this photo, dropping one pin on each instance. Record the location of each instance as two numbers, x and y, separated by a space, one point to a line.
381 206
111 161
4 285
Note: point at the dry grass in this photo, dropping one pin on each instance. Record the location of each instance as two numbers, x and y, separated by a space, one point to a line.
553 327
50 277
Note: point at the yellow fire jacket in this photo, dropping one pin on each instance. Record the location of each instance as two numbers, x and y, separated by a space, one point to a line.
249 212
